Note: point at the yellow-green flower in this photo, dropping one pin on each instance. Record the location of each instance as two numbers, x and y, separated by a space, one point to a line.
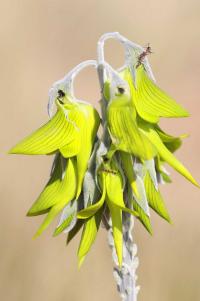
112 196
133 112
149 100
71 133
59 191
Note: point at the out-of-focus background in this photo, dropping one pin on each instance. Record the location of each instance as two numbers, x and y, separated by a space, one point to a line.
40 42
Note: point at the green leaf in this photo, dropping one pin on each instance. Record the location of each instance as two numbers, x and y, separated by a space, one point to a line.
155 199
89 234
150 101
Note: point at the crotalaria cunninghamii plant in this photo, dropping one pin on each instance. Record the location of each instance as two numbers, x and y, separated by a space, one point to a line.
107 180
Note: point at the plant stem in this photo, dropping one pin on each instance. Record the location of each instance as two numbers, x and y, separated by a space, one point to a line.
125 276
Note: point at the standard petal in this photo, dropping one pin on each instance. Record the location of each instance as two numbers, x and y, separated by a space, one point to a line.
150 101
126 135
56 133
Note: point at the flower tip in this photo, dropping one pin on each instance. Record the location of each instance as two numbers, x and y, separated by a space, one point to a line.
151 231
186 114
31 213
56 232
11 151
36 235
81 215
170 221
183 136
80 262
120 260
193 181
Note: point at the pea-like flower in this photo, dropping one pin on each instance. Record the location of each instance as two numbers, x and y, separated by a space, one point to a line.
111 183
70 134
133 111
106 180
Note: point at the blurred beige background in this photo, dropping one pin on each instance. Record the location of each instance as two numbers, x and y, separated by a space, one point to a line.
40 42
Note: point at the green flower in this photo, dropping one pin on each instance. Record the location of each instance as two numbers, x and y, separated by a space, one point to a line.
124 131
59 191
133 111
149 100
70 134
111 183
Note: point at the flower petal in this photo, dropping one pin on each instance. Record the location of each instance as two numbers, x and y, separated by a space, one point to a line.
114 191
56 133
164 153
67 219
126 135
88 134
155 199
65 194
150 101
52 192
75 230
116 217
143 217
91 210
89 234
172 143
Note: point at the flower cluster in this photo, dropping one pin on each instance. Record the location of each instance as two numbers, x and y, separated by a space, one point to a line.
95 179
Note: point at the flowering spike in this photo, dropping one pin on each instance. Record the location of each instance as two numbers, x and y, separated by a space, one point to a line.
110 179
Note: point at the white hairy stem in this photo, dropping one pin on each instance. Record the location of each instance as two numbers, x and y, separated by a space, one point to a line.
126 275
66 84
132 51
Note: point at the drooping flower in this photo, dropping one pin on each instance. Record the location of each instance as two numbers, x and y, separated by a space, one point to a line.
133 111
122 124
59 191
111 183
70 134
150 101
95 180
